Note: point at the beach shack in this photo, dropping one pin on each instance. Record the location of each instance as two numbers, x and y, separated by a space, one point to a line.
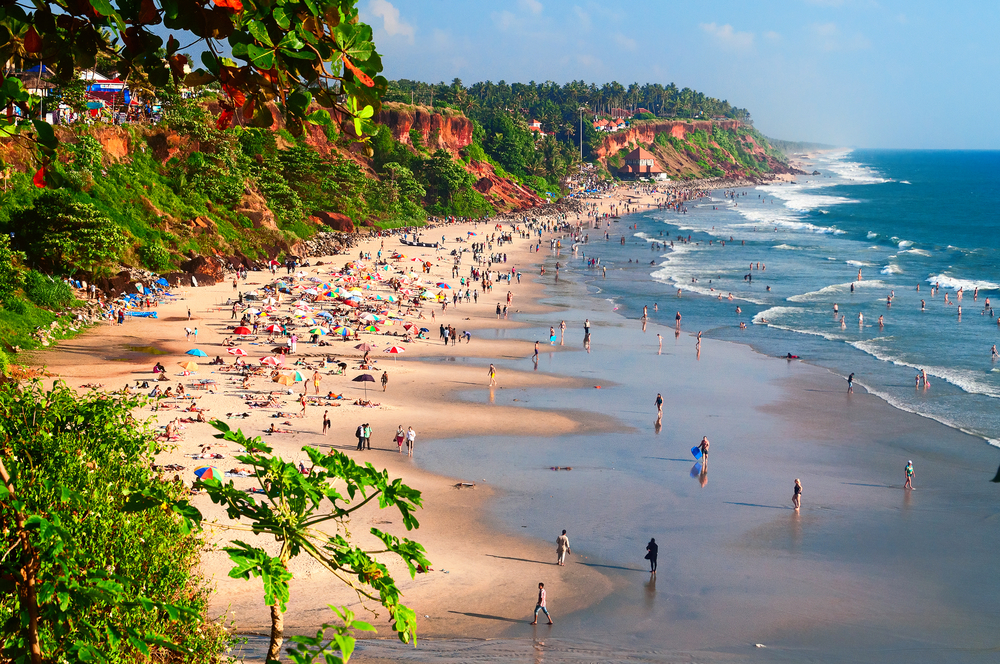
640 163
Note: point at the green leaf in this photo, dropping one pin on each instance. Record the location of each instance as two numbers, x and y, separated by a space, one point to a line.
102 7
259 32
298 55
46 135
260 56
282 17
299 101
320 117
211 62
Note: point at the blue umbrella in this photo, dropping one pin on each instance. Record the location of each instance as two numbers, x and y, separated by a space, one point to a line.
198 352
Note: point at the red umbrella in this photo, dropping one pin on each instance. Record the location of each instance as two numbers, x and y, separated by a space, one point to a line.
241 330
273 328
236 351
270 359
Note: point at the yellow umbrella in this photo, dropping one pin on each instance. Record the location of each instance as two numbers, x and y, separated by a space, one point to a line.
285 379
188 366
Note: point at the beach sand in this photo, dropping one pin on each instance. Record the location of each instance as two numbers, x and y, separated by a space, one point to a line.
474 565
865 572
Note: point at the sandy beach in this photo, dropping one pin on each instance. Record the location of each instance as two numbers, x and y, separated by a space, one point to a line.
863 573
454 528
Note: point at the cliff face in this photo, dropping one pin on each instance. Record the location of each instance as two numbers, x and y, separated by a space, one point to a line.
682 156
645 132
503 193
448 132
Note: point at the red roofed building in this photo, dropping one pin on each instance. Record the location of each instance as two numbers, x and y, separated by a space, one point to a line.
535 125
640 163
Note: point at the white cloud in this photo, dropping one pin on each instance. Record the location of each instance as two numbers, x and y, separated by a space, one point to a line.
772 35
727 36
828 37
391 21
533 6
504 20
624 42
583 17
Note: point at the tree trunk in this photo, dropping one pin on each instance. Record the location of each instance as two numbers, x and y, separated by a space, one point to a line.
277 634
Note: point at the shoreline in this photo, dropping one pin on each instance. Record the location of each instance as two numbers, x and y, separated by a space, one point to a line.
459 507
453 520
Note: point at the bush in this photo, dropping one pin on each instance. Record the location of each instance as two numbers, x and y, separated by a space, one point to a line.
16 306
11 276
47 292
155 256
61 235
73 461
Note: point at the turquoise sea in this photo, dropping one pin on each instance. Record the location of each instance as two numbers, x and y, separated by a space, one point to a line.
904 218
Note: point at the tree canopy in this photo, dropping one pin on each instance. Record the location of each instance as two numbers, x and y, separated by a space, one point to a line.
309 57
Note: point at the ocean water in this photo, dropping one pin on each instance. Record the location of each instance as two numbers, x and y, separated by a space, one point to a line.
867 572
903 218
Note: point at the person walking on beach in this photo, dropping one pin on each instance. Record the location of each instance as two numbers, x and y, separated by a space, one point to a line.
359 433
493 375
562 548
540 605
385 380
651 550
316 378
659 403
368 436
909 475
850 384
797 495
677 320
703 446
400 438
326 421
411 437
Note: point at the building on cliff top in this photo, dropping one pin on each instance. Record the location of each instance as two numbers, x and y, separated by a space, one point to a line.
641 164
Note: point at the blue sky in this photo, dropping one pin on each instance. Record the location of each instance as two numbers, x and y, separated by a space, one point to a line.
848 72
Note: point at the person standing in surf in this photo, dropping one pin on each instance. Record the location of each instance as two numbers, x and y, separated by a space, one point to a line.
909 475
797 495
651 550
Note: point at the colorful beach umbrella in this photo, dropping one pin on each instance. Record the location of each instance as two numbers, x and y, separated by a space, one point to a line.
197 352
188 366
242 331
373 328
273 328
318 330
395 350
270 360
206 473
236 351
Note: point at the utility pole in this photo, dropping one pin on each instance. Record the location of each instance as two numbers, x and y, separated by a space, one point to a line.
581 136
